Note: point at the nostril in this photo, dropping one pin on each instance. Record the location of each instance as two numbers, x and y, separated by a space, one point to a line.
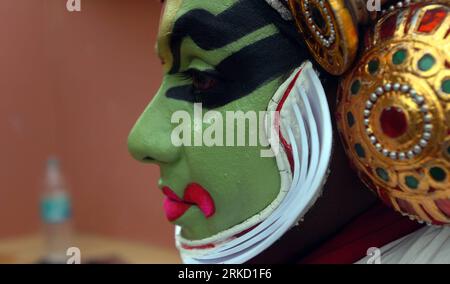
148 159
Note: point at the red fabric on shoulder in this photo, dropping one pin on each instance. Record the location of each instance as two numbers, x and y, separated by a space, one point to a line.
376 227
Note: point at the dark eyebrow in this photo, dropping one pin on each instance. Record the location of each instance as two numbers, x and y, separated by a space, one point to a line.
210 32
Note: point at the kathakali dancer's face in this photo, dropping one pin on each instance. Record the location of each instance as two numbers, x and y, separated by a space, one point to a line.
229 55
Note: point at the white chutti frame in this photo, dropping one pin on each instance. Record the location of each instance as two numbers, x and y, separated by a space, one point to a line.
306 125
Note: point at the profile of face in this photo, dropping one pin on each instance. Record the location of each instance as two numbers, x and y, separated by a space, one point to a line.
228 55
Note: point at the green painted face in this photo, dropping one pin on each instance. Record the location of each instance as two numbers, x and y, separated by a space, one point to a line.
228 55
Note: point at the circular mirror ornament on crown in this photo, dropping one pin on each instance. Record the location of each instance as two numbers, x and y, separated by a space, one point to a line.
394 111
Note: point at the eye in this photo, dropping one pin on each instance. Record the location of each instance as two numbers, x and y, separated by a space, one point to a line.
202 81
207 87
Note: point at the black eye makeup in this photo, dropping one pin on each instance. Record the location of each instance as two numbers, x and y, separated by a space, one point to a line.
239 74
206 87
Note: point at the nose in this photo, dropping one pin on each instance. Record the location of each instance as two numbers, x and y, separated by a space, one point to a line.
149 140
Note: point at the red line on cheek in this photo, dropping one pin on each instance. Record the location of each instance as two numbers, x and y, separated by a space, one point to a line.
285 144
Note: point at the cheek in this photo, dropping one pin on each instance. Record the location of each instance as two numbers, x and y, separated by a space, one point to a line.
233 172
259 99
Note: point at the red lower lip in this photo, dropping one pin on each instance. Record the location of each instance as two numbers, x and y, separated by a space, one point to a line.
194 195
174 209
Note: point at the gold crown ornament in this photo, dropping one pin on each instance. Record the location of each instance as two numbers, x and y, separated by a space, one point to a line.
394 110
330 29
